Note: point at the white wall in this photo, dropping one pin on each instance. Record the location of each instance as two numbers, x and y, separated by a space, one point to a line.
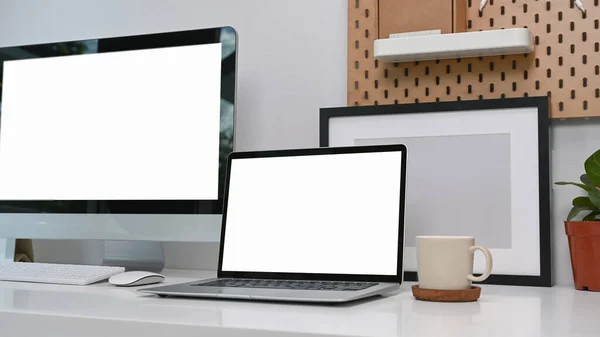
292 61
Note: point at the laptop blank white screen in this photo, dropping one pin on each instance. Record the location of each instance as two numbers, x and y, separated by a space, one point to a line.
323 214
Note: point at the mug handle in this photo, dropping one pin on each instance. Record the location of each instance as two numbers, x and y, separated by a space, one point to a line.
488 264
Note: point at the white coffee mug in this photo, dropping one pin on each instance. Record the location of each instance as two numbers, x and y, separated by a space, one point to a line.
446 262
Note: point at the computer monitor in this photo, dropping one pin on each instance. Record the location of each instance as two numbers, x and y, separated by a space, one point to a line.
117 138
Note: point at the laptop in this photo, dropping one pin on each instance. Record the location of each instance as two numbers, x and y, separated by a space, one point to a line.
308 225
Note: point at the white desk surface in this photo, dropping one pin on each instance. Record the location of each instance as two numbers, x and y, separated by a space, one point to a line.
102 310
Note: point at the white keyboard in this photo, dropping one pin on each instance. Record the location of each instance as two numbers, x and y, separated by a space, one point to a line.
55 273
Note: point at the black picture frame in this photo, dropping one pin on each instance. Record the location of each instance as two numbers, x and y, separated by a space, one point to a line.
544 279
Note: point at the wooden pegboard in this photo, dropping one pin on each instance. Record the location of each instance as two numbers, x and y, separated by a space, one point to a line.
565 64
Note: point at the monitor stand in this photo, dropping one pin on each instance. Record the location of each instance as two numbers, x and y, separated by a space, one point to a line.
134 255
7 249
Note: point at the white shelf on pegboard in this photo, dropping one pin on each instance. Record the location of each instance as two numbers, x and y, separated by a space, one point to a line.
431 46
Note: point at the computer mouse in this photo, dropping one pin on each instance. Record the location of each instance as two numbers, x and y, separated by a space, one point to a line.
135 278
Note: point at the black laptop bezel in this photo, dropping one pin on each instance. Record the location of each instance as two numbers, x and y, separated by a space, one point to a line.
397 278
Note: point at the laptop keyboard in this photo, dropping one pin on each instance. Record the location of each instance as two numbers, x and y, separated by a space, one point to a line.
287 284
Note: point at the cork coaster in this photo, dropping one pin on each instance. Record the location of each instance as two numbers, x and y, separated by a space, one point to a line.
466 295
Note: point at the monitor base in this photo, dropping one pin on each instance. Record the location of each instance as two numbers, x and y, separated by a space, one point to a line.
7 249
135 255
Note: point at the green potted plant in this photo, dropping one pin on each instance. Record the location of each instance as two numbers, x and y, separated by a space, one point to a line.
584 234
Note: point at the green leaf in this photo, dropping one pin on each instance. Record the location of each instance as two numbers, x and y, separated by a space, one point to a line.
592 168
584 179
591 216
587 188
595 198
575 211
583 202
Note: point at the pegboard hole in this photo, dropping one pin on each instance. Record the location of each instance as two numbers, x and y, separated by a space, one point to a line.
596 47
585 105
395 83
548 50
355 64
559 16
502 76
584 59
560 38
469 3
549 93
548 72
548 28
560 84
597 70
416 100
356 44
376 103
385 73
427 71
560 60
514 86
355 103
502 11
537 62
524 8
525 94
572 94
437 80
366 74
537 40
480 97
458 98
561 106
480 78
366 13
584 36
356 5
597 93
426 91
470 89
366 53
596 3
395 101
447 69
537 85
503 96
376 84
385 94
437 99
469 68
491 87
572 71
448 90
405 72
366 95
525 74
572 49
406 92
514 20
355 85
514 64
366 33
572 26
356 24
548 6
458 79
469 24
491 22
491 66
376 63
585 82
416 81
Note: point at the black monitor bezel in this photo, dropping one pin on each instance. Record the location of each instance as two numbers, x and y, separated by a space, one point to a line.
317 276
140 42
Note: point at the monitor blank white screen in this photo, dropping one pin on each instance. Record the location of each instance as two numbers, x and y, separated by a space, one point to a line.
130 125
323 214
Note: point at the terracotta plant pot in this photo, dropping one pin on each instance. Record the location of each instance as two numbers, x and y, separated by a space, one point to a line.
584 244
